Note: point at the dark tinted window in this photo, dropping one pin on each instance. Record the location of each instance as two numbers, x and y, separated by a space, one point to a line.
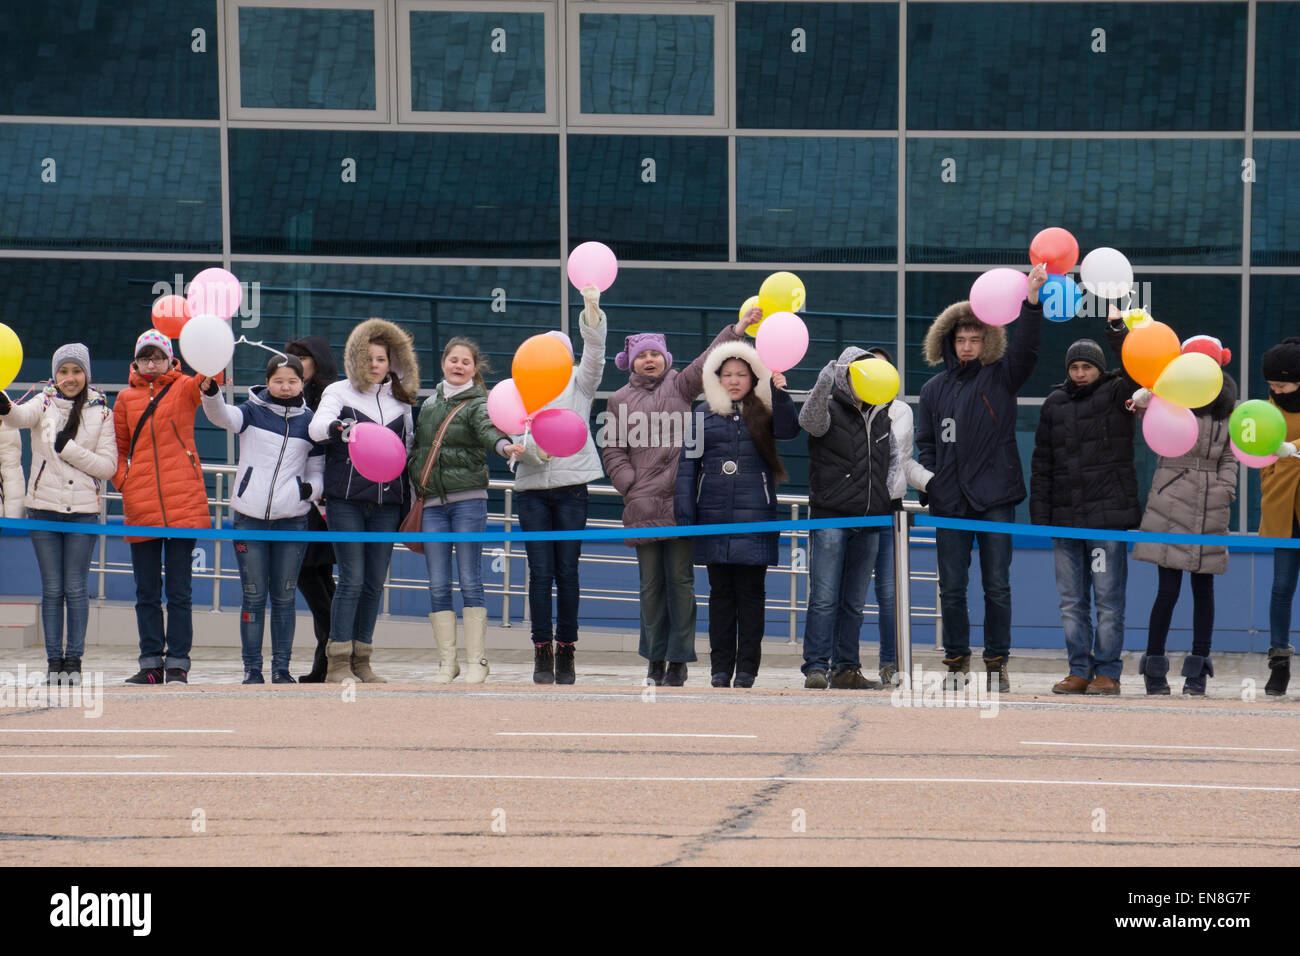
1275 203
306 59
455 67
654 64
1277 85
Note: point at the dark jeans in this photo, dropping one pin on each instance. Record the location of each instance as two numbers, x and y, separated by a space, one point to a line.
667 600
839 572
1162 611
268 569
953 550
363 566
316 582
148 561
1084 576
459 517
737 595
884 574
553 563
64 560
1286 571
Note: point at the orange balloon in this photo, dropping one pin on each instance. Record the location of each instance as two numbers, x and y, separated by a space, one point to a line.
1147 350
170 313
541 370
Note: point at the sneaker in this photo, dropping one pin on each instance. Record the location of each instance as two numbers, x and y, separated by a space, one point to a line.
543 663
282 677
177 676
850 678
721 680
251 677
675 675
564 673
655 673
816 680
147 675
743 680
888 673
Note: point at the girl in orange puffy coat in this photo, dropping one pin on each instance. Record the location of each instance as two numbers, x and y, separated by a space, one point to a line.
162 485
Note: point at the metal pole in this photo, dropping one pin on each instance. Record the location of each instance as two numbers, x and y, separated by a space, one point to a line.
505 564
794 576
903 592
103 545
220 485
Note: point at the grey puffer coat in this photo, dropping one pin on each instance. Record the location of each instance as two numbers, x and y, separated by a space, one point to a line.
1193 494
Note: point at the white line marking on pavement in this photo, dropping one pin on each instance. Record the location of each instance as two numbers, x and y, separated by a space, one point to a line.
604 779
1066 743
83 756
36 730
539 733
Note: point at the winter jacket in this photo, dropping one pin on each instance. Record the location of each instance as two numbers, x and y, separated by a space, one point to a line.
356 399
966 421
536 471
851 450
1279 484
71 481
904 469
318 553
728 480
639 432
161 480
461 470
11 472
1193 494
1082 473
276 458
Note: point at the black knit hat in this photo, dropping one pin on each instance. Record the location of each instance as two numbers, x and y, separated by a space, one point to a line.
1086 350
1282 361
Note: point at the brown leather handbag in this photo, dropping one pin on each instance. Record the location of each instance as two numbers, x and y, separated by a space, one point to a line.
412 523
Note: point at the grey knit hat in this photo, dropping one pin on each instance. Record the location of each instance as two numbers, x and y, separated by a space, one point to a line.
1086 350
73 352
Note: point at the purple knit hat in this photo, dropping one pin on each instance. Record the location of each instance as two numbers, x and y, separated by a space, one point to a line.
634 345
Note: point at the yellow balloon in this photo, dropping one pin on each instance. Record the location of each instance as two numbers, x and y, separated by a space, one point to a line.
744 310
782 292
1191 380
1136 318
11 356
875 380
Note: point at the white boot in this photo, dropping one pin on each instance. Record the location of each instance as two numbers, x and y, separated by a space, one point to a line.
444 633
476 671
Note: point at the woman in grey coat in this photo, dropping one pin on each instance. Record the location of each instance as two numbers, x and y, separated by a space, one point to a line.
1192 494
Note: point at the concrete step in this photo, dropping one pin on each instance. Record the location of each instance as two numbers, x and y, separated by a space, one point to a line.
20 624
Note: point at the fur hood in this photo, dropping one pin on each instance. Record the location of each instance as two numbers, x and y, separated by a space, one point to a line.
401 354
716 396
938 347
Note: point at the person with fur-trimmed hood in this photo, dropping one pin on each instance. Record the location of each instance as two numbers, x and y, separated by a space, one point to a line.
966 435
383 379
732 477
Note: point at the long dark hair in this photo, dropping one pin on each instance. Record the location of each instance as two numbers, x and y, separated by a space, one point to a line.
69 429
758 419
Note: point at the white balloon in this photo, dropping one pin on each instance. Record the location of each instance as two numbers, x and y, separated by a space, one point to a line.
1106 273
207 344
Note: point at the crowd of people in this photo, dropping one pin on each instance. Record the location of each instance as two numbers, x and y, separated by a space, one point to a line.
295 475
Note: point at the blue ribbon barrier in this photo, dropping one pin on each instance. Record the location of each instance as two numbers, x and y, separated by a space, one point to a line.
1233 542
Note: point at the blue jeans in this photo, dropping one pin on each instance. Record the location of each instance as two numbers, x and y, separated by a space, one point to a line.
363 566
1286 570
839 573
884 574
1081 571
459 517
148 559
64 560
953 552
667 600
553 562
268 568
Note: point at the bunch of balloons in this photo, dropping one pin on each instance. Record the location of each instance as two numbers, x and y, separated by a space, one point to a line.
11 356
201 320
1182 377
1257 434
780 336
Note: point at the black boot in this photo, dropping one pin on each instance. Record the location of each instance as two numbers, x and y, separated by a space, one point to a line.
675 674
1195 669
54 666
564 673
997 666
543 663
1154 669
1279 666
71 671
319 665
655 673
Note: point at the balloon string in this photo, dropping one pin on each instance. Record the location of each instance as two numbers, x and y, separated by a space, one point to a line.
514 459
244 340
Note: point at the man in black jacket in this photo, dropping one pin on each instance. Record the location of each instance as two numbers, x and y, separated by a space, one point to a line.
1082 476
966 435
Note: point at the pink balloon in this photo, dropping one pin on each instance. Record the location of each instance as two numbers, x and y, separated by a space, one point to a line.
995 296
506 407
214 292
592 263
782 341
376 452
1251 461
1170 430
559 432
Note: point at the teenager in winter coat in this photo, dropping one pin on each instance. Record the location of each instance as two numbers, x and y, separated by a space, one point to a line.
641 441
1191 494
851 452
74 451
383 378
161 480
1082 476
11 472
316 578
551 495
733 478
281 471
904 470
1279 510
448 468
966 435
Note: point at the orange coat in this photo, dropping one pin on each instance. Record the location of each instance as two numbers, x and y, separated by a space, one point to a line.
1280 484
161 482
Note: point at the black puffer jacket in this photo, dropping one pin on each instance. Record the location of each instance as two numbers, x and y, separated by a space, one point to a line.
318 553
1082 474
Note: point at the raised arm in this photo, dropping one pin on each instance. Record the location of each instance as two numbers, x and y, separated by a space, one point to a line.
815 416
1022 353
331 403
690 383
593 328
225 416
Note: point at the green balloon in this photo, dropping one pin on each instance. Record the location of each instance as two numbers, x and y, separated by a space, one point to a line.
1257 427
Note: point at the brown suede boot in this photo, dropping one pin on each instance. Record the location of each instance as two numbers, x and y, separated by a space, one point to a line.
339 654
361 664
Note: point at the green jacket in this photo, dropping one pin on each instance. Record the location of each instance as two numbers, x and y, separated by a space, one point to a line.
462 462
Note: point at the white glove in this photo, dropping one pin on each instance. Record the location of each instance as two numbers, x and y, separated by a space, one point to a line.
1287 450
591 296
1142 397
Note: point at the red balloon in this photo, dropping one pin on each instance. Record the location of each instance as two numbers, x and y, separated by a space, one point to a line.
1057 248
170 313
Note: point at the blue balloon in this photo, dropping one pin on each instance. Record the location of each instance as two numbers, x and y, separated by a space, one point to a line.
1061 298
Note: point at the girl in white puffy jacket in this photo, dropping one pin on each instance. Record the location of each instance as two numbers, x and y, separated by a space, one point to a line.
74 452
281 471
